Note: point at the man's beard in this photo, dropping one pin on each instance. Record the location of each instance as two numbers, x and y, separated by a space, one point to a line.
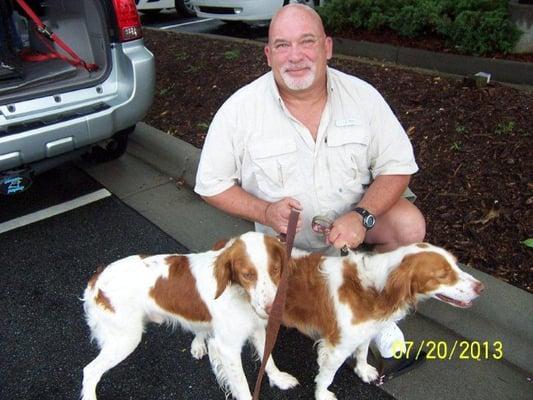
300 83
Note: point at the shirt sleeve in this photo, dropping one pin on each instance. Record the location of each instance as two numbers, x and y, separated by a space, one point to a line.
219 168
391 152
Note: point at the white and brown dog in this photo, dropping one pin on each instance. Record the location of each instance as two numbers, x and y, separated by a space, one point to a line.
344 302
222 296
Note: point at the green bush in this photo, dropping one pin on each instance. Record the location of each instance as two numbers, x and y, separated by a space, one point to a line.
471 26
478 32
415 19
358 14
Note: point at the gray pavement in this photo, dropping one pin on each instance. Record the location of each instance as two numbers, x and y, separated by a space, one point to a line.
155 178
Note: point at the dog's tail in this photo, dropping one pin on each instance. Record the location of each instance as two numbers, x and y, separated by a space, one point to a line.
92 296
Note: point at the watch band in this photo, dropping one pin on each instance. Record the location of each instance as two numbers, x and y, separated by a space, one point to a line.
369 220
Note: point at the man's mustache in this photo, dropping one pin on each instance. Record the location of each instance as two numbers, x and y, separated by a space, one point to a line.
290 67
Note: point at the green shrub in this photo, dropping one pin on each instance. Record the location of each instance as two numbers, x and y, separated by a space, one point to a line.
415 19
455 7
471 26
355 14
478 32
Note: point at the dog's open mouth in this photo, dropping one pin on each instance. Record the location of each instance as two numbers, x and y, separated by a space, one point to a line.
454 302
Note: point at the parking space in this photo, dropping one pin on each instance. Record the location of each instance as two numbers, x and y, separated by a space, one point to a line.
45 342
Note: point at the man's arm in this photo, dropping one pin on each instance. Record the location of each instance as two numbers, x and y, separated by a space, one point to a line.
238 202
381 195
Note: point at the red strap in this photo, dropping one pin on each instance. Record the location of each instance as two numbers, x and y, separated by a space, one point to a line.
276 314
43 30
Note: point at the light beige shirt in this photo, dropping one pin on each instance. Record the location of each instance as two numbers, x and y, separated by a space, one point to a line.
256 143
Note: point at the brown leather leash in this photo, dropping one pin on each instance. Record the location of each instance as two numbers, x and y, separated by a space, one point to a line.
274 319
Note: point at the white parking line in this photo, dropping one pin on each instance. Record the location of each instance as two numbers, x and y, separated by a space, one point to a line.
54 210
187 23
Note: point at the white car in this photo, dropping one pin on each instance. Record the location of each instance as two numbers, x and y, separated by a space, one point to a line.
249 11
184 7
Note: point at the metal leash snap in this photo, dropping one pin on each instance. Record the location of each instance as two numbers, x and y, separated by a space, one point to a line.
322 224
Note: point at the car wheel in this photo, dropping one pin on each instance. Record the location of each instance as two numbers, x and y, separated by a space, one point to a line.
310 3
112 148
153 11
234 24
185 8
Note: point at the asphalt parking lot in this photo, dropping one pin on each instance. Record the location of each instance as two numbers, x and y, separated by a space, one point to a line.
45 342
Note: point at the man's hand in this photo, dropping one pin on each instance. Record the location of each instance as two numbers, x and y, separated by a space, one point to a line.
347 230
277 214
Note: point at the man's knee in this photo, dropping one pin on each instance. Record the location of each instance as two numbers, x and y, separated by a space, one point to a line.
402 225
413 228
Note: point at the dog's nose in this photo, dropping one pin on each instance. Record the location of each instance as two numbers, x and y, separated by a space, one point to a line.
268 308
479 287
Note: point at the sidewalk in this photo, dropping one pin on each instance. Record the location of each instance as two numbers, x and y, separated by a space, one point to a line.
155 178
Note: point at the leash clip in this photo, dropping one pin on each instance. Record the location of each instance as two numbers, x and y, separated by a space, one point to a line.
46 32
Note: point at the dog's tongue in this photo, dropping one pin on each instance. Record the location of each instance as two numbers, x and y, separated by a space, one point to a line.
453 302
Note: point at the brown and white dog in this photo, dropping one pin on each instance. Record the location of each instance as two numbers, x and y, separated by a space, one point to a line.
344 302
222 296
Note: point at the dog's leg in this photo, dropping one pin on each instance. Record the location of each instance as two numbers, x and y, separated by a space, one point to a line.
113 351
363 369
282 380
225 358
198 345
330 358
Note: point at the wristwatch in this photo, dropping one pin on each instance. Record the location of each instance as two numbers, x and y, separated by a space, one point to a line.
369 220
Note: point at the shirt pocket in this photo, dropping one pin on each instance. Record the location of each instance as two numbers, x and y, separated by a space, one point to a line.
348 160
274 164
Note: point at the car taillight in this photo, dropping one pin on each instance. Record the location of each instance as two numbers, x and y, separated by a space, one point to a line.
129 24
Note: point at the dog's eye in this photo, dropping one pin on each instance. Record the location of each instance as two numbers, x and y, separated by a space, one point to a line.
442 275
249 276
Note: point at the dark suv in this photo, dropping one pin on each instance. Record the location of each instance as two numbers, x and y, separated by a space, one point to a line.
54 107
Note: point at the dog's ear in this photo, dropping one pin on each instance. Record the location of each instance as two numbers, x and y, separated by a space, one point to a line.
219 245
223 271
400 286
278 257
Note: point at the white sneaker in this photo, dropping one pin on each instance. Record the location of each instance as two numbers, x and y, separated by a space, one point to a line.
390 341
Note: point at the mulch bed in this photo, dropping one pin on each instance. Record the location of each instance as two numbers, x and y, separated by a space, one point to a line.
473 146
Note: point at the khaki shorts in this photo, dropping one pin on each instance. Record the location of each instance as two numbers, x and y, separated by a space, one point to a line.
409 195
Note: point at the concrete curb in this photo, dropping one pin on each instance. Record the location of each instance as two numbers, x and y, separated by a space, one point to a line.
500 70
499 315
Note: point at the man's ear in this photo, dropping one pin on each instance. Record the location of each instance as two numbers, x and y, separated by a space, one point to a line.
267 54
329 48
223 267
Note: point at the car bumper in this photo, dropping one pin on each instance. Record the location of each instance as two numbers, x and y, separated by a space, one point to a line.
82 117
234 10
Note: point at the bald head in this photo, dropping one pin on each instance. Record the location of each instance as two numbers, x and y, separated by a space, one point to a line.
293 13
298 51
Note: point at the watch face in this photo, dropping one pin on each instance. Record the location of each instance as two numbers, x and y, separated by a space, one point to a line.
370 221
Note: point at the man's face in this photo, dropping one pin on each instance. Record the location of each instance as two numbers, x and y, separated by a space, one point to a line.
298 50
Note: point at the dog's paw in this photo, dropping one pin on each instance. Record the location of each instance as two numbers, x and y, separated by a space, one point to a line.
366 372
282 380
198 348
325 395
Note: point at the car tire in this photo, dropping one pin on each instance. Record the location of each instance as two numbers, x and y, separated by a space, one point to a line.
111 149
234 24
153 11
185 8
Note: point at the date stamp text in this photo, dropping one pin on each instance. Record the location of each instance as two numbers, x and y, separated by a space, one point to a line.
458 349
